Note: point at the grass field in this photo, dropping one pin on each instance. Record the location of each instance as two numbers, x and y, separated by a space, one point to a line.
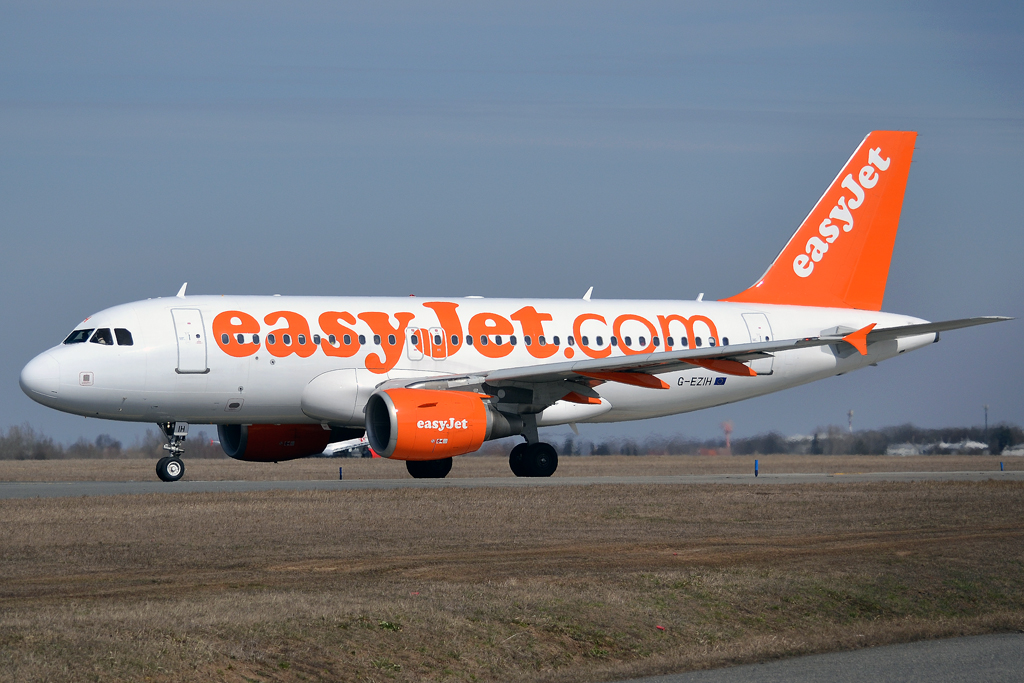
549 584
494 466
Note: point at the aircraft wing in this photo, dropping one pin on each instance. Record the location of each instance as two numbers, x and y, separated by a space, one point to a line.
641 369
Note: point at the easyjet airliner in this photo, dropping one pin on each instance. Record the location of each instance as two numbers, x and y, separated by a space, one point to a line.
427 379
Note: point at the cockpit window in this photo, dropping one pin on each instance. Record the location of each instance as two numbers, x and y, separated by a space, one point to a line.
124 337
102 336
79 336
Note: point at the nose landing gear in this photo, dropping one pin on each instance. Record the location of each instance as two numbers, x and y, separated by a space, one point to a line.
533 460
171 467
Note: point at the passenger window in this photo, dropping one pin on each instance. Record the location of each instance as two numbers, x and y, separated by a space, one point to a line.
725 341
469 340
527 340
600 341
542 341
414 339
497 339
615 340
629 341
697 340
362 339
287 339
512 340
670 341
683 342
255 339
102 336
554 340
316 340
657 342
240 338
391 339
643 341
711 341
571 340
79 336
302 340
347 339
271 339
224 338
455 340
437 340
483 340
123 336
376 339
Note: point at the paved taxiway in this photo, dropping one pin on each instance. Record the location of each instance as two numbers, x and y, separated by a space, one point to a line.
993 658
64 489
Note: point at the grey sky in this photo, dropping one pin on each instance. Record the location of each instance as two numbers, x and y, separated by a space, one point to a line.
653 150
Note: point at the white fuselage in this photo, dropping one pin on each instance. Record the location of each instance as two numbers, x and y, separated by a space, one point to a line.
179 368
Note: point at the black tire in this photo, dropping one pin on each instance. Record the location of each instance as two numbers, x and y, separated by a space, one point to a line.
517 461
429 469
542 460
170 469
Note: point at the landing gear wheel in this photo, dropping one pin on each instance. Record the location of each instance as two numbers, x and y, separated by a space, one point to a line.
541 460
429 469
170 469
517 460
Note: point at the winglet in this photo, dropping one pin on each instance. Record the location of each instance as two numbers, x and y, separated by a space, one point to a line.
181 292
859 339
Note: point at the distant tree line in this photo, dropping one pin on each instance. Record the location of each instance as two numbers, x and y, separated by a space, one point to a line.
22 442
831 440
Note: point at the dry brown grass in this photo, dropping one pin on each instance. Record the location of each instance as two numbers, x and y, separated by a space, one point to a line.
495 466
551 584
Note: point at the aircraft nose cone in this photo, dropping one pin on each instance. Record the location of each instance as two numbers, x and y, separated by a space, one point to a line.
41 377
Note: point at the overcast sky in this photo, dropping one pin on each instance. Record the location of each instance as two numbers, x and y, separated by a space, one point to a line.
652 150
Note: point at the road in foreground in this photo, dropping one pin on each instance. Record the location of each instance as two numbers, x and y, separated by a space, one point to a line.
114 488
994 659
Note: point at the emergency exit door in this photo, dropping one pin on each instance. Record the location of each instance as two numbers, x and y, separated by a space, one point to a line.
760 331
188 327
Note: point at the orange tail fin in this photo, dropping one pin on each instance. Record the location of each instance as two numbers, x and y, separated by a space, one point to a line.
839 257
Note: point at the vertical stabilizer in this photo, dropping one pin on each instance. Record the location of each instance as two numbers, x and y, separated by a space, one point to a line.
839 257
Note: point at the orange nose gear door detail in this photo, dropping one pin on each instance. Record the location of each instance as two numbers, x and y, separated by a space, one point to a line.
232 324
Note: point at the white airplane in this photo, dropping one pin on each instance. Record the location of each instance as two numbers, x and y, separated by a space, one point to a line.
432 378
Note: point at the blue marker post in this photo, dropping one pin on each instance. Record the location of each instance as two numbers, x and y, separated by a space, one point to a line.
755 467
339 474
1000 467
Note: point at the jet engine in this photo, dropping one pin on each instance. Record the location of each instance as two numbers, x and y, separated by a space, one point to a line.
273 443
424 424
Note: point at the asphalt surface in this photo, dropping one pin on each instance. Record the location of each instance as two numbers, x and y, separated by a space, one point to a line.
65 489
993 659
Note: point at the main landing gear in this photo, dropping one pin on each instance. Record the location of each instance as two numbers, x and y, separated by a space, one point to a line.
170 467
429 469
533 460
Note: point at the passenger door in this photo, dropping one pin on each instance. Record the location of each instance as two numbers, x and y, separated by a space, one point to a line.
188 328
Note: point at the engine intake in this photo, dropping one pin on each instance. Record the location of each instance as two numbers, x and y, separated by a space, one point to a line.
424 424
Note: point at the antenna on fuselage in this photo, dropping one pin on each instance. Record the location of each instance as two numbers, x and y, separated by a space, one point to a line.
586 297
181 292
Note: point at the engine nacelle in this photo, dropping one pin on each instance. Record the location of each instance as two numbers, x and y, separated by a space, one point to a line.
423 424
273 443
